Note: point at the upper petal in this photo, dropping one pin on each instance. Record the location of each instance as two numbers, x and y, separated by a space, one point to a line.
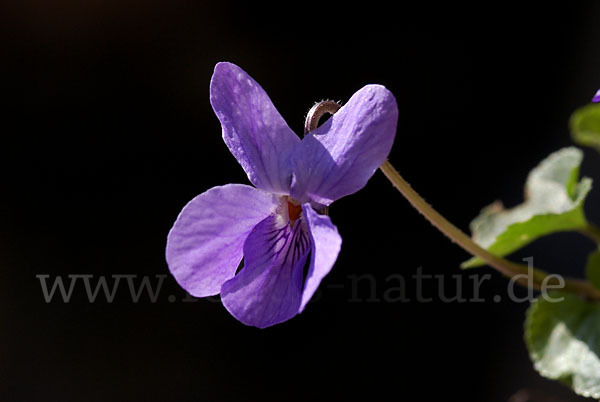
268 289
326 245
340 156
204 247
253 129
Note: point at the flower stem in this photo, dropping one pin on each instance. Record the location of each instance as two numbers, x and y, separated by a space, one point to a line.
507 268
319 110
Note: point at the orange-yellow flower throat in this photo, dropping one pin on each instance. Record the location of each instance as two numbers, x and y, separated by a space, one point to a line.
294 211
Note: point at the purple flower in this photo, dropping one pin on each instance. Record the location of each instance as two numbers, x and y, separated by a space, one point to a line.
275 227
596 97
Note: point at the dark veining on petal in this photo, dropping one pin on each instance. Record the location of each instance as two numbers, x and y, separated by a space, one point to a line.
275 257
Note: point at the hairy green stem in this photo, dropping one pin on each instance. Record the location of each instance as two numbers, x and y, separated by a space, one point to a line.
507 268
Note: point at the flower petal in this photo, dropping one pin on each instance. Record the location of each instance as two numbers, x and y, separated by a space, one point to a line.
204 247
326 245
339 157
268 289
253 129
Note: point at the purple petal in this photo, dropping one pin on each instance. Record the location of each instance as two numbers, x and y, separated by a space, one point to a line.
253 129
326 244
204 247
596 97
268 290
339 157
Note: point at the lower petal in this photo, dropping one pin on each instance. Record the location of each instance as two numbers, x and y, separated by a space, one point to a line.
326 245
204 247
268 290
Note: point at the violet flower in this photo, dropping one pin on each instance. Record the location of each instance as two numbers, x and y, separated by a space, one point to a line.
596 97
275 227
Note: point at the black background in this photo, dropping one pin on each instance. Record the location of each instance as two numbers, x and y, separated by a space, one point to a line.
108 132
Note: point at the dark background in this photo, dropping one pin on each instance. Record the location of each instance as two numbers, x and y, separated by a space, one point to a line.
108 132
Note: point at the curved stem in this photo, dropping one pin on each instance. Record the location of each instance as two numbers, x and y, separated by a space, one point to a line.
319 110
507 268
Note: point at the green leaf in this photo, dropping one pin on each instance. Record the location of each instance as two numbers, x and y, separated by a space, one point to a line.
592 268
554 203
563 339
585 125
